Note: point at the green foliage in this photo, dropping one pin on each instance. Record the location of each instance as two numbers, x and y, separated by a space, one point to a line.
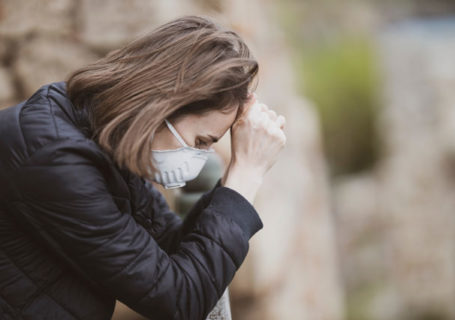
336 69
341 77
358 304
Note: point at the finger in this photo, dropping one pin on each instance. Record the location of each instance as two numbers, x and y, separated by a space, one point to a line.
281 121
252 111
282 137
263 106
272 114
260 119
278 134
258 110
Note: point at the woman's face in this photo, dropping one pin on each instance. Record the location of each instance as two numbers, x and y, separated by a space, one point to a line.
199 131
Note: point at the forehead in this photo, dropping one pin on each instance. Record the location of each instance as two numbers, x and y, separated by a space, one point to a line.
214 122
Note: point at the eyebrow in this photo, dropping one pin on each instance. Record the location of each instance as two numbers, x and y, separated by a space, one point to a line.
214 139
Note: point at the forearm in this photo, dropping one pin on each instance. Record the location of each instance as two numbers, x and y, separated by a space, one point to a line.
242 179
169 227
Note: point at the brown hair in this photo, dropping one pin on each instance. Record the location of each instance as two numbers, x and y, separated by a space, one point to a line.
187 65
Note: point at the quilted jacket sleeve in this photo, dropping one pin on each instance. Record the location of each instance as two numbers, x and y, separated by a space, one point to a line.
168 228
63 193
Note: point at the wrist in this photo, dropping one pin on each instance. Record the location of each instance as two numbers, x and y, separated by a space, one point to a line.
246 173
243 172
244 180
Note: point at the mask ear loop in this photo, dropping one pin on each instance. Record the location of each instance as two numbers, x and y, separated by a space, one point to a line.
180 139
175 133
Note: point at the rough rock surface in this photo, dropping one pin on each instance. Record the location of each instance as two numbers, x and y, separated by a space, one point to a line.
291 270
397 223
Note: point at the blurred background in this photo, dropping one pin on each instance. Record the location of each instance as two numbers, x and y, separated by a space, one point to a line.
359 211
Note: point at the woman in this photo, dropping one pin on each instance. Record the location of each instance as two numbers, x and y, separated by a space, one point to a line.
80 223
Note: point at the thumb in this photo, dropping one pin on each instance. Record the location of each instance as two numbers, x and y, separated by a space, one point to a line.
243 109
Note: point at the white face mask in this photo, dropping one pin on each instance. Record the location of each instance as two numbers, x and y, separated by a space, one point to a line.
176 166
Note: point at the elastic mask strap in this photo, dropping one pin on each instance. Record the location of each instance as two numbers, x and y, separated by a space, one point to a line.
175 133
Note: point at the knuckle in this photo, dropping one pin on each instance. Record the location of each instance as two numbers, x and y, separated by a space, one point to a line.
272 114
256 123
282 137
263 107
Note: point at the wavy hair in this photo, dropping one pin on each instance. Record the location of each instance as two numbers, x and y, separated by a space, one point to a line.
185 66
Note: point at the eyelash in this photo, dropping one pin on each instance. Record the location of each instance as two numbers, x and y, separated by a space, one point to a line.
200 142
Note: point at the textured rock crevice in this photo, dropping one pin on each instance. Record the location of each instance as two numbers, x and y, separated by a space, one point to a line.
291 271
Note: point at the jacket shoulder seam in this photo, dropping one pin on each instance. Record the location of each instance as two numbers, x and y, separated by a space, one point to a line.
51 109
47 145
22 129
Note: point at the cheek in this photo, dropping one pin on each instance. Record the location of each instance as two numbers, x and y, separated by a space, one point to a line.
187 129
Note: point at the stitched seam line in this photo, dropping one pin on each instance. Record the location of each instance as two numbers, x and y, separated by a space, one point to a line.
25 275
23 162
218 244
60 305
227 218
101 245
22 130
187 287
128 264
51 109
10 307
40 291
152 287
188 252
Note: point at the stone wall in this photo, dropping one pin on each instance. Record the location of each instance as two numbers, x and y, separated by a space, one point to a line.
291 269
396 223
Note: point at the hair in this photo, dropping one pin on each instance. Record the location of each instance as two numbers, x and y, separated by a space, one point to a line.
190 65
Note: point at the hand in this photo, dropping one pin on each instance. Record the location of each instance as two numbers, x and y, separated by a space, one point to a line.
256 139
257 136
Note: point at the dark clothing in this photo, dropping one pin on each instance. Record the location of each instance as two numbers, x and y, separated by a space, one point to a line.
77 232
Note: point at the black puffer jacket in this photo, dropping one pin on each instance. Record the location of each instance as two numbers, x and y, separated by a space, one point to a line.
77 232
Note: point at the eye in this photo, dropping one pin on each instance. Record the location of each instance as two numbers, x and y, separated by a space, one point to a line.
201 143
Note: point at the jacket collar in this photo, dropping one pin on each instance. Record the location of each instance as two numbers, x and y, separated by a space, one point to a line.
79 117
